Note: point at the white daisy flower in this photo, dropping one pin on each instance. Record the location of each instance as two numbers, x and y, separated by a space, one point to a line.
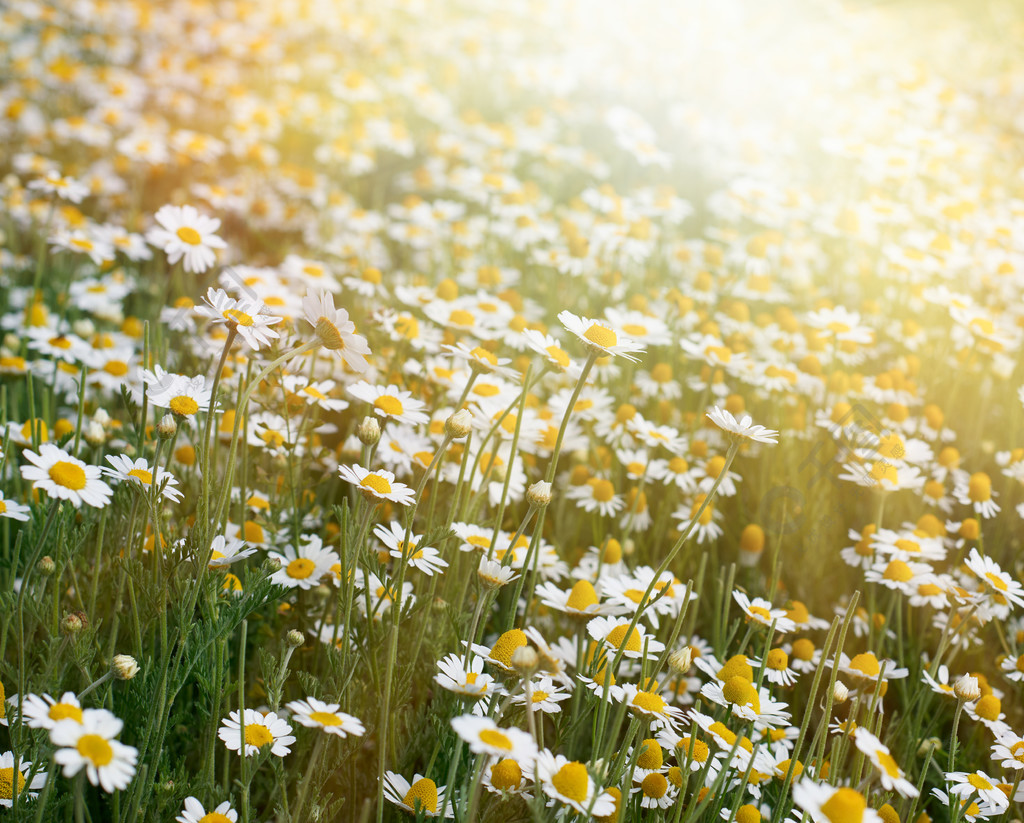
184 232
743 429
256 732
248 317
183 396
13 509
466 680
484 736
335 331
140 473
90 744
64 477
611 631
889 771
421 796
303 567
391 402
425 558
43 712
829 804
27 787
227 550
569 782
761 611
378 485
195 813
314 714
599 336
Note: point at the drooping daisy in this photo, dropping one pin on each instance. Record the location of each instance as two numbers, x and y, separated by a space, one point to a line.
569 782
43 712
421 796
13 509
599 336
889 771
184 232
64 477
90 744
493 574
195 813
303 567
335 331
256 732
22 785
743 429
314 714
138 471
484 736
248 317
377 485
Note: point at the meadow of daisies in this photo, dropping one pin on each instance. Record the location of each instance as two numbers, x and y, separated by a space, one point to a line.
510 411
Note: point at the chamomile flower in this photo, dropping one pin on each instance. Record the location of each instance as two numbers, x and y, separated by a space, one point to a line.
377 485
303 567
228 550
194 812
991 575
596 494
545 695
506 776
743 429
13 509
185 233
425 558
140 473
484 736
24 785
422 796
568 782
648 705
612 633
247 317
314 714
64 477
599 336
335 331
583 600
89 743
985 789
256 731
183 396
889 772
977 492
43 712
390 402
831 804
1008 749
761 611
464 679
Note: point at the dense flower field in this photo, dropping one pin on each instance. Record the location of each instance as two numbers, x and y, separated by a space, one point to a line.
510 411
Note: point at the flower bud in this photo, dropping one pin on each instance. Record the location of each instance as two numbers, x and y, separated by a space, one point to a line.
101 417
368 431
929 744
46 566
525 661
680 660
967 688
840 693
124 666
459 424
539 494
84 327
295 638
94 434
73 623
166 428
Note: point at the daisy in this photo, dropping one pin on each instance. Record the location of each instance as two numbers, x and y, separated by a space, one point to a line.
184 232
377 485
259 731
655 791
425 558
545 695
484 736
493 574
313 393
421 796
66 188
314 714
977 493
90 743
583 600
611 632
570 783
183 396
248 317
391 402
596 494
828 804
648 705
744 429
986 569
335 331
195 813
227 550
466 680
303 567
980 785
760 611
555 357
892 776
599 337
13 509
1009 750
138 471
64 477
777 670
505 776
741 697
26 787
43 712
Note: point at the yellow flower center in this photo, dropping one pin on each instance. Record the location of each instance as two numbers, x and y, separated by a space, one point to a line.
325 718
740 691
777 659
803 649
898 571
116 368
655 785
7 783
505 645
377 483
68 475
601 489
189 235
649 702
617 637
239 317
572 781
581 596
389 405
257 735
720 729
888 764
301 568
760 613
329 334
214 817
988 707
183 405
424 792
996 581
979 782
492 737
601 336
736 665
748 814
845 806
461 317
142 475
506 774
979 487
651 757
95 749
558 355
866 664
